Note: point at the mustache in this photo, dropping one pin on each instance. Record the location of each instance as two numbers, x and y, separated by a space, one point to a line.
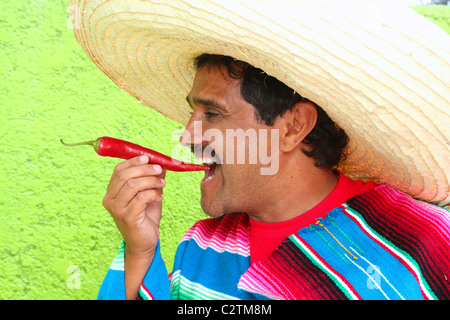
199 151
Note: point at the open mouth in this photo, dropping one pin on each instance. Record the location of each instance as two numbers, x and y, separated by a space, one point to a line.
210 159
209 174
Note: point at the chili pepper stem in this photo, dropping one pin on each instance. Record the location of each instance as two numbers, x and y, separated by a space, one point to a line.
94 143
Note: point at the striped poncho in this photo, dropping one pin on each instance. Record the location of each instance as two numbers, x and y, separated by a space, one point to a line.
381 244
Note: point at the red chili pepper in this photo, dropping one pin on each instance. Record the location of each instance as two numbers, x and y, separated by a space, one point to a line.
116 148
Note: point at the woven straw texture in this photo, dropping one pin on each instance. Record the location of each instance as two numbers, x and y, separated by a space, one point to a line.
379 71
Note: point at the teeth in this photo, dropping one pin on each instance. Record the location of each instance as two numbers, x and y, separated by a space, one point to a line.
206 160
208 179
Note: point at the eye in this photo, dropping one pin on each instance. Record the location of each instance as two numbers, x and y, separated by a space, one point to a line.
211 114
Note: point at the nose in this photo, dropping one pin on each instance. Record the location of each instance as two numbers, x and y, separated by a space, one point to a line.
192 134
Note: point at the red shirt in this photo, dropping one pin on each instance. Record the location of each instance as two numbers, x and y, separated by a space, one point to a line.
266 237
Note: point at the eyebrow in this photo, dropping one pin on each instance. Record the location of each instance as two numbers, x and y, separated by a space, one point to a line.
207 102
189 102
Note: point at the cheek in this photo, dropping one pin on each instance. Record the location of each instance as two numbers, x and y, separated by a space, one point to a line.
241 189
242 180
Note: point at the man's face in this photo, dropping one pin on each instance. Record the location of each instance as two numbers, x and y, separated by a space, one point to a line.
235 183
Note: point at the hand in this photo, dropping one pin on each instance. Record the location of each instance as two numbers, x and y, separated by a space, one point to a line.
134 200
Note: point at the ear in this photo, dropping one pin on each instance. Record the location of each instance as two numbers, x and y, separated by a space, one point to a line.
296 124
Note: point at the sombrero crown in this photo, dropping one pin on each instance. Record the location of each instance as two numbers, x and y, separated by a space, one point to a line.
382 72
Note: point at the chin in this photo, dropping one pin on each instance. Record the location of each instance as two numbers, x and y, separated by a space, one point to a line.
209 210
211 213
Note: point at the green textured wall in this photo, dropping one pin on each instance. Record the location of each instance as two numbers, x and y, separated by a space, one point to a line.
52 223
51 216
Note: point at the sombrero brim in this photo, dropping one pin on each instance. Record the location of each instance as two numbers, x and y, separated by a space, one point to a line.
381 72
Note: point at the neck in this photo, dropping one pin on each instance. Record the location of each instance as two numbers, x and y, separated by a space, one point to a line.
297 191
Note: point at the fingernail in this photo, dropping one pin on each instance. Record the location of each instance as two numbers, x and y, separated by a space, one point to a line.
157 168
143 159
163 182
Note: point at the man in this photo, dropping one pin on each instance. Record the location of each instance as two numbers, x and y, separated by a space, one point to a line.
306 189
305 231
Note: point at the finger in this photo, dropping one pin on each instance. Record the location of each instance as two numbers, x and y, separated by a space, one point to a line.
121 178
134 186
133 162
142 199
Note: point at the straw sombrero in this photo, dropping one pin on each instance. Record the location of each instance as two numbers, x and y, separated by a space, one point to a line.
382 72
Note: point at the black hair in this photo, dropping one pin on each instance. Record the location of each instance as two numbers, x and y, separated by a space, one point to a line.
272 98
